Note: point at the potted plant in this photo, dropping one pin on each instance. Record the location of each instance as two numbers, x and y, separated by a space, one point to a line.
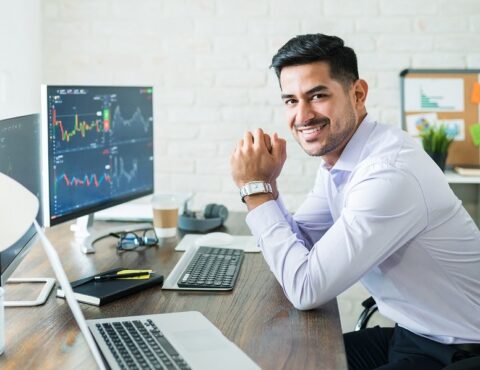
436 141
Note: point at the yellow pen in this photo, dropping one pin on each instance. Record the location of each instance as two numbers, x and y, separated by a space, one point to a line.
121 276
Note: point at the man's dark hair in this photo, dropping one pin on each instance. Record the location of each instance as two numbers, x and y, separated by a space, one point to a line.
305 49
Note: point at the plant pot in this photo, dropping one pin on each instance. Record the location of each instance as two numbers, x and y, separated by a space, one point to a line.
440 158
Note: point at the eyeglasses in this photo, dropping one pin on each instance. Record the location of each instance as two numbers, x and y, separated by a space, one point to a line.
130 240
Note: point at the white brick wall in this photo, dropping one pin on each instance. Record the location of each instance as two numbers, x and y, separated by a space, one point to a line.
209 59
20 57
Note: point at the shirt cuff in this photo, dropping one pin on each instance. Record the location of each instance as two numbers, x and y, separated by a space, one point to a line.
281 205
263 217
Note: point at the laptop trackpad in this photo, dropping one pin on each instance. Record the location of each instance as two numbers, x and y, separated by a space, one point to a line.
200 340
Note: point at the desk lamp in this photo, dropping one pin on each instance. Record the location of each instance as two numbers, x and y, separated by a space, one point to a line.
14 196
18 209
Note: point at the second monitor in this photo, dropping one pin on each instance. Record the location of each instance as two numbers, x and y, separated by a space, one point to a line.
97 145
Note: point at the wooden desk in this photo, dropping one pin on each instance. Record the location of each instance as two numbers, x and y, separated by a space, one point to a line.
256 315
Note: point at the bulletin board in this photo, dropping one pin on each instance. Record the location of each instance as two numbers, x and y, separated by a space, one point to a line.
449 97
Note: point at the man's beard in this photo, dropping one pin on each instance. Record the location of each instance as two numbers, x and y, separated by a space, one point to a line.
333 140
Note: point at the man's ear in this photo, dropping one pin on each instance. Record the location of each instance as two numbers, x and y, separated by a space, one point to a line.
360 91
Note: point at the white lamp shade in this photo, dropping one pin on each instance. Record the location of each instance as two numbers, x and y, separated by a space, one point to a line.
18 209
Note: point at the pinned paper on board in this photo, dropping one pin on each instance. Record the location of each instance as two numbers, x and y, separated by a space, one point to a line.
475 132
434 95
417 123
446 97
454 127
476 93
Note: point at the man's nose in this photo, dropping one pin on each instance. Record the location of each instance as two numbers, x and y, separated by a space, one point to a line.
304 113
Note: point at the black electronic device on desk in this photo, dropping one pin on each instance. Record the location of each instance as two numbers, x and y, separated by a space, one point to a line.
206 268
97 146
212 268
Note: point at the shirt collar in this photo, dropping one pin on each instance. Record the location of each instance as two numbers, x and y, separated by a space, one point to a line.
351 153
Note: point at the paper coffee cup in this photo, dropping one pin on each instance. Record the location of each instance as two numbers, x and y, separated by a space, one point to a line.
165 215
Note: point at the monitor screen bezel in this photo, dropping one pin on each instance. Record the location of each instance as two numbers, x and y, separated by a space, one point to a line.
48 221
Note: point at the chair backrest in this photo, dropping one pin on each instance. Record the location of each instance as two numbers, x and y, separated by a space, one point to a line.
370 308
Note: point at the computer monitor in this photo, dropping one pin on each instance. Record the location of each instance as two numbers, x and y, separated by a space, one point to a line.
20 160
97 144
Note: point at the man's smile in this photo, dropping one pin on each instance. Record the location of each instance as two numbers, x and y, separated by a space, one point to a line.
313 129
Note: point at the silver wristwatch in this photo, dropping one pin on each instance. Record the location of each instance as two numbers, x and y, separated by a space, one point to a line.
255 187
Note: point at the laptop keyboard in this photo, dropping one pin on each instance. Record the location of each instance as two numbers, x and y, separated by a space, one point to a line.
212 268
140 345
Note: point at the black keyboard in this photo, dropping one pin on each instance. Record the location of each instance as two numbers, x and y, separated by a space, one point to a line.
212 268
140 345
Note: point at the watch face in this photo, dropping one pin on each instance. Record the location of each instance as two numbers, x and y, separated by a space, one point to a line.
257 187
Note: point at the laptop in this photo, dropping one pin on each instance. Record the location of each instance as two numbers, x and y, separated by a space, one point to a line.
180 340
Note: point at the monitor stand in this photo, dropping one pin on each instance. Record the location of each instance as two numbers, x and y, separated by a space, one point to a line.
85 236
49 283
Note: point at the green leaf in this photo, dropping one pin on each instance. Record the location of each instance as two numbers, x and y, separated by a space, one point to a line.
435 139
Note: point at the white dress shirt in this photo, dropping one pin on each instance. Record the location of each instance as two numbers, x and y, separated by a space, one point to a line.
384 214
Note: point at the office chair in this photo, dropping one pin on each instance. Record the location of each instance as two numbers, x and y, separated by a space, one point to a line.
370 307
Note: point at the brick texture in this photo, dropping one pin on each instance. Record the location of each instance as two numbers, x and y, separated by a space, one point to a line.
209 63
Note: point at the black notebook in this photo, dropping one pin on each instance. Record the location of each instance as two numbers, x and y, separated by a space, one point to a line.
95 292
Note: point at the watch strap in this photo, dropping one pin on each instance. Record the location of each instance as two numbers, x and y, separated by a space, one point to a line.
255 187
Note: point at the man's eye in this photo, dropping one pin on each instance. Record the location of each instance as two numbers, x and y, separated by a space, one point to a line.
289 101
318 96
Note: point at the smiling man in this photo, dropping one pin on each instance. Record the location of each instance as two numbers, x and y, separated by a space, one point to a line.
380 212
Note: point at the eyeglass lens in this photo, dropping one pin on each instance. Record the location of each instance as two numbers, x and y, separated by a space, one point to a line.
131 240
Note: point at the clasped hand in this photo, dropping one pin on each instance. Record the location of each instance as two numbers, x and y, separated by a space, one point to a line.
258 157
